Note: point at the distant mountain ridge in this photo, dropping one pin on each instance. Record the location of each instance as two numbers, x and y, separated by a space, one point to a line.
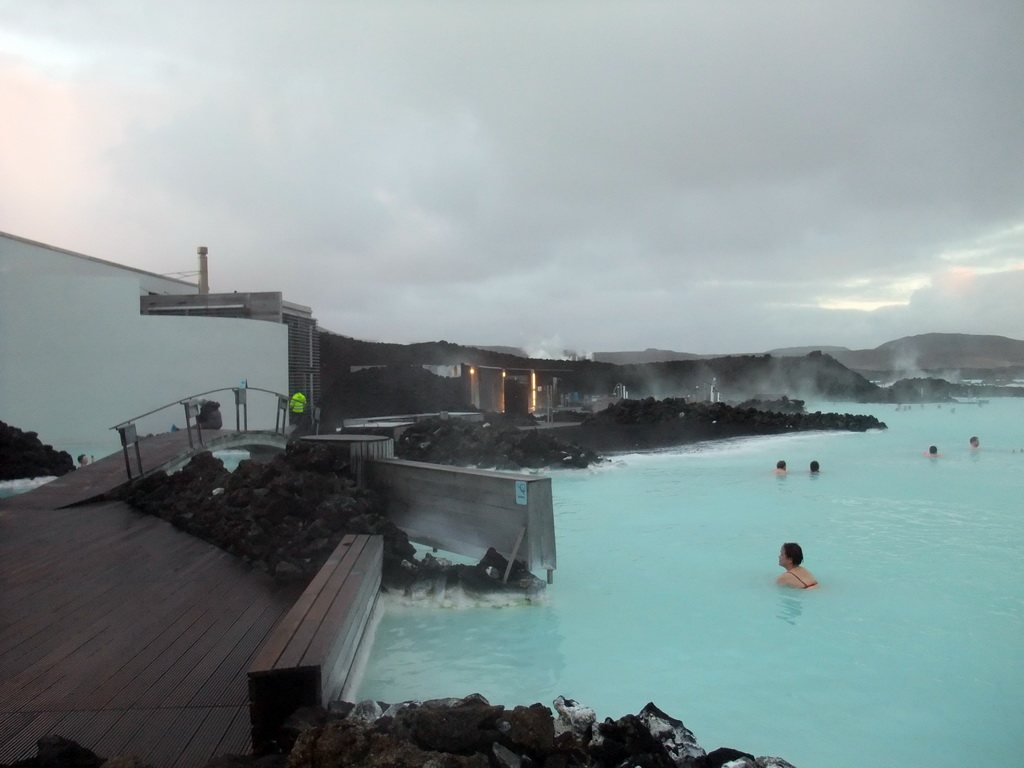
937 352
921 354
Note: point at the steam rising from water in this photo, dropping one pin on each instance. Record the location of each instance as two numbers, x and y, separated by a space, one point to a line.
456 598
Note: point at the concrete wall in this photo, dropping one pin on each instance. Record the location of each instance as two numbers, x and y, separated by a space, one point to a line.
468 510
76 356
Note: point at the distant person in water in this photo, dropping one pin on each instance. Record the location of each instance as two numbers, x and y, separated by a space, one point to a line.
780 468
975 444
815 467
933 452
796 576
82 459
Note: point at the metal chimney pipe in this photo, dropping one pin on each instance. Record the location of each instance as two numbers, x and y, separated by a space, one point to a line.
204 270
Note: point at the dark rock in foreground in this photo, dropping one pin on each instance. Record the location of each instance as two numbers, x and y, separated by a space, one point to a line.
471 732
23 455
457 733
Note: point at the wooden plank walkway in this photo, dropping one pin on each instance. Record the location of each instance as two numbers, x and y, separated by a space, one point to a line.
106 474
121 632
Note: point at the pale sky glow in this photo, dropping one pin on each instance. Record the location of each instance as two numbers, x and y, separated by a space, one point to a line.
705 177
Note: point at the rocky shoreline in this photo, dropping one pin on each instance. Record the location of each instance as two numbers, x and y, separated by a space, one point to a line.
646 425
626 426
466 732
472 733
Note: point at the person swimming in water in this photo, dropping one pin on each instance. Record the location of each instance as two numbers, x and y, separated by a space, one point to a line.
974 443
780 468
815 467
933 452
796 576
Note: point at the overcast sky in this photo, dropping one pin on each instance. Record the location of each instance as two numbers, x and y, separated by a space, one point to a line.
712 177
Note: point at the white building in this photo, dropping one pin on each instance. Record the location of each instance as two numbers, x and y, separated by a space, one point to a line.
77 355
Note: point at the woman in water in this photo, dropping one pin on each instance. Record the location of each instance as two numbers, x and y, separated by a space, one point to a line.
796 576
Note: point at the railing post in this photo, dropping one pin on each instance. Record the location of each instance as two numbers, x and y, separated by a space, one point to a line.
129 436
241 405
192 409
316 420
282 414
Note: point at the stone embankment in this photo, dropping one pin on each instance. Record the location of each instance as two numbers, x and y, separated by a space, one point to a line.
458 733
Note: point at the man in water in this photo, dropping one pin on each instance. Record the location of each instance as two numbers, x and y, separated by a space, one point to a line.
796 576
815 467
975 444
933 452
780 468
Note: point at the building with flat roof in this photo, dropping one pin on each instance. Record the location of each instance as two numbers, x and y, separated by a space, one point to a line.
303 334
84 346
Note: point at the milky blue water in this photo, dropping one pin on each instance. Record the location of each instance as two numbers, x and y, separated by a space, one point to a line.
910 654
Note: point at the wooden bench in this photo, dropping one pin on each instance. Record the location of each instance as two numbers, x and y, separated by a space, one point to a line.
307 659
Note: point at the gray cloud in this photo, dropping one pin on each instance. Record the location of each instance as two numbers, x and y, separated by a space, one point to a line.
595 176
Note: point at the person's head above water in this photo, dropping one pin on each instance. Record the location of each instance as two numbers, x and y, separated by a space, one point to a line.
933 451
974 442
780 466
815 467
793 552
796 576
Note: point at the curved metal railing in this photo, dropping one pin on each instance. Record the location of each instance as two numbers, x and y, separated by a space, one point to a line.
191 404
196 397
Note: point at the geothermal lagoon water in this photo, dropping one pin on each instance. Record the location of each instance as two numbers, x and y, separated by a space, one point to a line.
911 653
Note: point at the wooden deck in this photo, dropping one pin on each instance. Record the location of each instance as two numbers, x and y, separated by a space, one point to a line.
121 632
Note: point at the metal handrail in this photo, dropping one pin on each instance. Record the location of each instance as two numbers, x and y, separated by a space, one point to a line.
193 397
129 435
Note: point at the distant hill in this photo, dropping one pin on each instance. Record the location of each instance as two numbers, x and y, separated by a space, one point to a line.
801 351
937 353
955 355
